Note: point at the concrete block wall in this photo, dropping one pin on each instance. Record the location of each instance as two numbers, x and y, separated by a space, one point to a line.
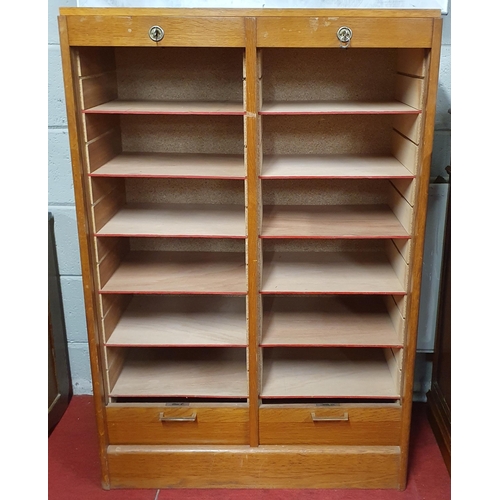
441 158
62 204
442 128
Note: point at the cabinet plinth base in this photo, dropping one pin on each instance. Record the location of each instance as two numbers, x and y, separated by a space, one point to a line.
369 467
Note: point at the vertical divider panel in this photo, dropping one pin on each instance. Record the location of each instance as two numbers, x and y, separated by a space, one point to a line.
115 359
96 71
396 316
398 263
394 363
406 188
409 126
253 208
404 248
405 151
427 64
110 253
401 208
96 74
411 62
113 307
72 69
409 90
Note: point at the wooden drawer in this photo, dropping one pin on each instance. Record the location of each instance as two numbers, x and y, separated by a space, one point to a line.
322 32
136 425
134 31
363 426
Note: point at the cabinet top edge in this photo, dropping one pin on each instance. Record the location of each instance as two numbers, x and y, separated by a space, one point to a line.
266 12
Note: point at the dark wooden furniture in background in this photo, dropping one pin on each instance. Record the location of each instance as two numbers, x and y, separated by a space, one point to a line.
59 386
439 396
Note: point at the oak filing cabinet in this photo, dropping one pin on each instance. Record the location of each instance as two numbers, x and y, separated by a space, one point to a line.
251 191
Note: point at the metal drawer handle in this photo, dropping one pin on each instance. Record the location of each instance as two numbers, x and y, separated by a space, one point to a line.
163 418
344 418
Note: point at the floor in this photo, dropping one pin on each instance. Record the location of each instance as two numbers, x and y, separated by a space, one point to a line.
74 472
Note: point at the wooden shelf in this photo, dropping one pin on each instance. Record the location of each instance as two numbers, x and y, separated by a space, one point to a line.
333 166
329 272
168 165
327 321
179 272
182 321
325 373
336 108
168 108
335 221
210 372
177 220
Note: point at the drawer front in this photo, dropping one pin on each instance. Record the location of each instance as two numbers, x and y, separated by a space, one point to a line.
322 32
185 425
330 426
134 31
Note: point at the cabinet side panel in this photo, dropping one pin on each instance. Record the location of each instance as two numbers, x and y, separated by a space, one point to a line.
84 235
422 179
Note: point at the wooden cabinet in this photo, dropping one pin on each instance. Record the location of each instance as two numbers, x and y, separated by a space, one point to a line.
251 190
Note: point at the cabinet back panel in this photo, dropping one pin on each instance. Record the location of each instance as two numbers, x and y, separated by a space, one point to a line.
213 191
180 74
310 134
182 134
308 246
188 244
326 192
326 74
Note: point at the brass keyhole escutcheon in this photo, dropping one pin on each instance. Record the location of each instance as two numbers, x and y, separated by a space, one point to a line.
344 34
156 33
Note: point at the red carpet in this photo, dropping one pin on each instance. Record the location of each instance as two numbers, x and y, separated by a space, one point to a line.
74 472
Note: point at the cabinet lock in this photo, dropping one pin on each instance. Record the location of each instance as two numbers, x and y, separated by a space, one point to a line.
344 34
156 33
